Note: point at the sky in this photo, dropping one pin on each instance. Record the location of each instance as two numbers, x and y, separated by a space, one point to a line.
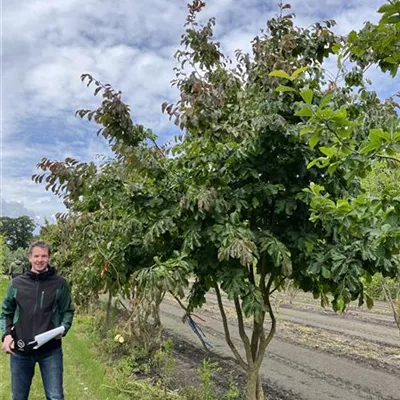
46 45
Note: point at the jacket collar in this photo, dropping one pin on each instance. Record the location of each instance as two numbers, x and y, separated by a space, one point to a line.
42 275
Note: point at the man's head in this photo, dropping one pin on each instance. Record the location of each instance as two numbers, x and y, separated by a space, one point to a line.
38 256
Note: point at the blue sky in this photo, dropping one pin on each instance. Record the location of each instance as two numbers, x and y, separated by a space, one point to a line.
47 45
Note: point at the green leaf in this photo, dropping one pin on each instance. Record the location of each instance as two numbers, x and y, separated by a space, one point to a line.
279 74
393 19
299 71
339 304
313 162
376 135
328 151
369 148
352 36
316 189
306 130
307 95
370 301
325 100
386 8
314 139
282 88
333 167
326 273
396 137
314 269
345 132
340 116
344 269
304 112
255 202
336 48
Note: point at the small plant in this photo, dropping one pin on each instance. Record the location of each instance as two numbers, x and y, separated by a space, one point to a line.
165 362
139 362
233 391
207 370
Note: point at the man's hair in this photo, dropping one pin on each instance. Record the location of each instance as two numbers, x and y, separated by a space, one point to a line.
40 244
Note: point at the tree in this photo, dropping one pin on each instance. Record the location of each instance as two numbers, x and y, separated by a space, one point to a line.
263 186
18 232
5 256
378 43
248 217
384 179
101 242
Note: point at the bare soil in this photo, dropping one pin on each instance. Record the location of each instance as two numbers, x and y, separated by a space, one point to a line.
315 355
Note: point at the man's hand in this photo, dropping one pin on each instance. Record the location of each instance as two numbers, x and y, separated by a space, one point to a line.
8 345
58 337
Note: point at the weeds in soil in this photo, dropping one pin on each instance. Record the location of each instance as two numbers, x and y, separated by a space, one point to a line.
129 368
207 370
165 362
233 391
134 370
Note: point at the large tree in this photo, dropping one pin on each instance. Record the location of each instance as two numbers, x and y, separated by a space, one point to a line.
264 184
17 232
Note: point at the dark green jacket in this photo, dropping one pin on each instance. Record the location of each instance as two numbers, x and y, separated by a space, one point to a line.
35 303
18 268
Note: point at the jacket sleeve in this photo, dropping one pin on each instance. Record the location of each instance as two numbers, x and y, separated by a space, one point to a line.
7 312
66 307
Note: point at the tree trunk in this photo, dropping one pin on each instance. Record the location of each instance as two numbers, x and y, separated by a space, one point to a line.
108 310
260 391
253 385
394 304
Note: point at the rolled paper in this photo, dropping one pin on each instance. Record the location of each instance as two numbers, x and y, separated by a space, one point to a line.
46 336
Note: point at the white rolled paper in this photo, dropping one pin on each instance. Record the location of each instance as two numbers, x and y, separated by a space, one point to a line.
46 336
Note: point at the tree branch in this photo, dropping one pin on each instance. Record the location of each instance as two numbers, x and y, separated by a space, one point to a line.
228 339
339 139
354 150
158 148
387 158
277 286
264 342
242 332
389 299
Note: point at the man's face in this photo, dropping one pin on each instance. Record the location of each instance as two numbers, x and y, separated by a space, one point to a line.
39 258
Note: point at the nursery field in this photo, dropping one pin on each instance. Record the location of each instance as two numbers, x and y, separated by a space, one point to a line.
316 354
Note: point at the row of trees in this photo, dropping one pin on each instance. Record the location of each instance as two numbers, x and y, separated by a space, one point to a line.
264 185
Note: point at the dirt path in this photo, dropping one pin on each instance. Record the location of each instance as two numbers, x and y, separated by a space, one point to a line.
306 373
368 328
343 324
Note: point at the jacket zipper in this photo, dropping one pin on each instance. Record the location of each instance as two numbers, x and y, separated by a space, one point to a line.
36 306
42 299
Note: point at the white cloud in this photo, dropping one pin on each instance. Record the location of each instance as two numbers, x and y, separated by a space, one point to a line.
14 209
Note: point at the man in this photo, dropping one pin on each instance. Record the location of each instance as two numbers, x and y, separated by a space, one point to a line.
17 268
36 302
